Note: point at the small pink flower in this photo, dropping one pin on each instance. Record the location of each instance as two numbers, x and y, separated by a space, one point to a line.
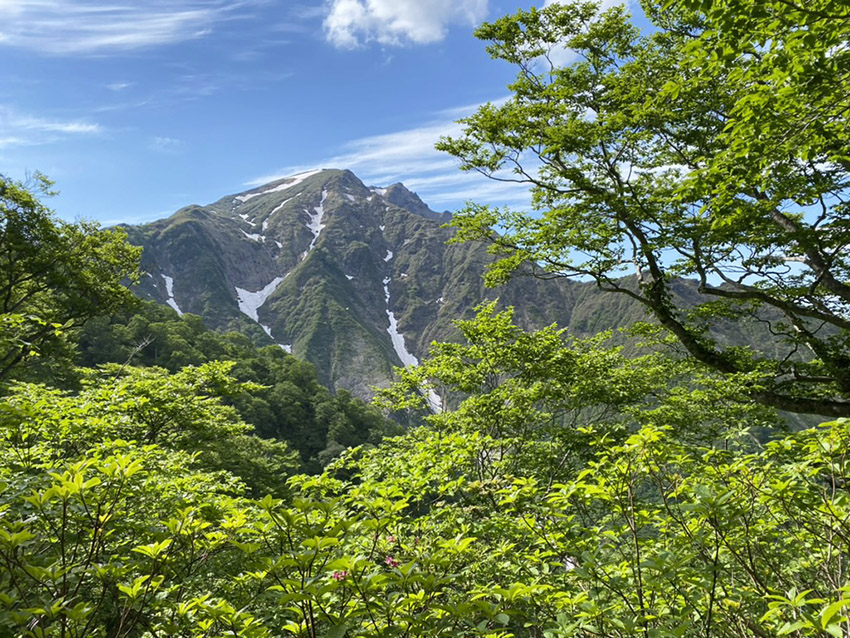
392 562
339 575
391 539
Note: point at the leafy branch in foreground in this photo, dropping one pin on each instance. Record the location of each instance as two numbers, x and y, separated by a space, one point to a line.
628 494
713 148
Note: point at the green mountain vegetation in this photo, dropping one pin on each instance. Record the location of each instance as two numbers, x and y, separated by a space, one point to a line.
574 485
290 406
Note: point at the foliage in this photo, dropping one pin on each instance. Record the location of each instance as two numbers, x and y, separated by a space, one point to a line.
291 406
54 275
152 407
567 490
584 507
647 528
659 539
103 536
713 147
107 523
537 389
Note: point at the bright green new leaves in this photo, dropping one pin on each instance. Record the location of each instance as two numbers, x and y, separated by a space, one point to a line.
714 148
108 544
292 406
607 505
673 541
347 563
119 516
533 391
54 275
182 411
791 59
570 494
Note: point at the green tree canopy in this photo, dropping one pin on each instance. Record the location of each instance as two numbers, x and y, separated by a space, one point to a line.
54 275
292 406
714 147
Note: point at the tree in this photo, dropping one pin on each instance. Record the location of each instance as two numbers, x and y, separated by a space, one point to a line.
54 275
292 407
600 505
119 516
714 148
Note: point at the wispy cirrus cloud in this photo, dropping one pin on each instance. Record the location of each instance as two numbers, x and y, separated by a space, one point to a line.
17 129
166 144
119 86
409 156
100 26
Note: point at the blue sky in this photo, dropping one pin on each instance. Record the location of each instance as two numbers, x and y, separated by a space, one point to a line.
136 109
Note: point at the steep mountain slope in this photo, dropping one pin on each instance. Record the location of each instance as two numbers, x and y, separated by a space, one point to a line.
354 279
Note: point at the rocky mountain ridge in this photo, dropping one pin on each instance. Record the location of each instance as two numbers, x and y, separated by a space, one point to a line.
355 279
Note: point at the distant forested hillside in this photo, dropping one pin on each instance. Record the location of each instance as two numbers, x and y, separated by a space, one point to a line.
291 406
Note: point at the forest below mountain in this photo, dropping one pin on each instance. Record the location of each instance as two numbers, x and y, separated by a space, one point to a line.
161 479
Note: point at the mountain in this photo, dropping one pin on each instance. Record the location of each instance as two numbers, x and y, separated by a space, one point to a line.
354 279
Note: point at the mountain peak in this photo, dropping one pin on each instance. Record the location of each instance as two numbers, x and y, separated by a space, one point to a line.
346 181
354 279
278 185
403 197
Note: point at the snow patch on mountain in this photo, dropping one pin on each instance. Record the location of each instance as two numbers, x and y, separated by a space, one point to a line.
315 224
249 302
395 336
254 236
282 204
434 401
169 289
389 255
351 198
400 347
286 347
292 181
349 277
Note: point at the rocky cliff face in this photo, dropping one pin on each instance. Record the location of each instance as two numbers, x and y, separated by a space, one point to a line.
352 278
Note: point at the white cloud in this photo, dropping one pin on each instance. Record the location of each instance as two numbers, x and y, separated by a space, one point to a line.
28 130
166 144
97 26
351 23
6 142
119 86
409 156
604 5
